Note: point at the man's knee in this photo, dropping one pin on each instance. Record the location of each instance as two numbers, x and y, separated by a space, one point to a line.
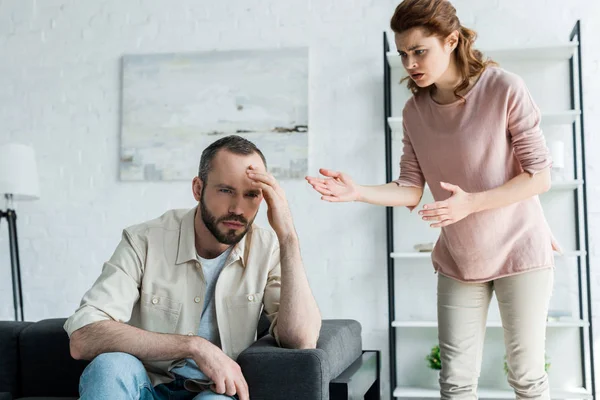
113 367
208 395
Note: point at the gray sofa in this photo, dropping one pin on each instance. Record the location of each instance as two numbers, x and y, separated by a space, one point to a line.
35 363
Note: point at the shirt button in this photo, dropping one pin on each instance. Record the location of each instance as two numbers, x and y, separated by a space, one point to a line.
190 333
155 301
196 299
250 298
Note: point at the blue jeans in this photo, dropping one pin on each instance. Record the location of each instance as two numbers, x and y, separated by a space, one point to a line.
121 376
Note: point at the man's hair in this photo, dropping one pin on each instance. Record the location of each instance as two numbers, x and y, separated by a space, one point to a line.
234 144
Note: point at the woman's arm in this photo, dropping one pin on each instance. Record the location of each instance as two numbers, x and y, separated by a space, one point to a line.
519 188
339 187
461 204
390 195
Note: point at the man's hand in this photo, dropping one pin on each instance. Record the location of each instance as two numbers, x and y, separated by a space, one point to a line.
278 211
222 370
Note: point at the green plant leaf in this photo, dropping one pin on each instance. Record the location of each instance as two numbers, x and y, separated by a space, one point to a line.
433 358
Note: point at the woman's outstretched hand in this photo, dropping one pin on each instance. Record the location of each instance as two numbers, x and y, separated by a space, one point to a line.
335 186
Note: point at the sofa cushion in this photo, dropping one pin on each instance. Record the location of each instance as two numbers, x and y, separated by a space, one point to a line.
47 368
47 398
9 357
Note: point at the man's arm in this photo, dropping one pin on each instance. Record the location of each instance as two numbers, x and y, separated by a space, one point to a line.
111 336
95 328
298 317
117 289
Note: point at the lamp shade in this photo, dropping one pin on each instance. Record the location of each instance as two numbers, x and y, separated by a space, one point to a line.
18 172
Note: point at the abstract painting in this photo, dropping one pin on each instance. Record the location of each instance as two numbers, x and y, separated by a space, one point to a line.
175 105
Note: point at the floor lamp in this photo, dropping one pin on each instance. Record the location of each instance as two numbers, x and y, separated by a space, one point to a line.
18 181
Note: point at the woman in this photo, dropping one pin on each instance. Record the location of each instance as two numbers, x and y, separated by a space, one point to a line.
471 132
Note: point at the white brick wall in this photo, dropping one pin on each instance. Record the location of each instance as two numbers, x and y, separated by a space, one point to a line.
59 74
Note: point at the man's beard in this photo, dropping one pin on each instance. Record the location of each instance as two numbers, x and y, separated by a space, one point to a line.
212 224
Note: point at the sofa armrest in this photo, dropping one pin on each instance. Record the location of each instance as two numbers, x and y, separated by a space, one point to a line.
9 357
5 396
275 373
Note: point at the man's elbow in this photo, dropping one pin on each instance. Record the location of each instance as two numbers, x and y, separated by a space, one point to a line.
299 343
307 345
77 346
303 341
308 342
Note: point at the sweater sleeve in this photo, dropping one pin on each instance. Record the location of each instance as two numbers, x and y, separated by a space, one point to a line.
410 170
524 127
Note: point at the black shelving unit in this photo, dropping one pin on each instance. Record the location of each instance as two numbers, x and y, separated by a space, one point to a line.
581 223
576 89
389 213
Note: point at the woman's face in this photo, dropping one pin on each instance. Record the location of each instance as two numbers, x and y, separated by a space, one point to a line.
425 57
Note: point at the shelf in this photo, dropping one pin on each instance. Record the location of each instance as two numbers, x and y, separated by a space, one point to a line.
490 324
560 118
571 254
412 255
422 393
557 52
548 119
566 185
562 51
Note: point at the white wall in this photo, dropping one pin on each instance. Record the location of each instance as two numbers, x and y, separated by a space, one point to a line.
60 82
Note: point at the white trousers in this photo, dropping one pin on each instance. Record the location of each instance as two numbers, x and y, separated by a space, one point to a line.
523 300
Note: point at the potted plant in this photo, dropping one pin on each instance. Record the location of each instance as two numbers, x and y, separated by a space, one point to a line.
434 363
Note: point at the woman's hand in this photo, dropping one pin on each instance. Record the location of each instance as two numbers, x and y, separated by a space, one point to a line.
443 213
335 187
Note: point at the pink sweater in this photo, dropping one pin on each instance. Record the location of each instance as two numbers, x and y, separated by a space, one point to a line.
480 145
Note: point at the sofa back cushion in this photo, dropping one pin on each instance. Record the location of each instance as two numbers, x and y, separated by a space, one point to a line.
47 368
9 356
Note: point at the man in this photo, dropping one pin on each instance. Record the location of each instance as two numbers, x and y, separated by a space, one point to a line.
181 296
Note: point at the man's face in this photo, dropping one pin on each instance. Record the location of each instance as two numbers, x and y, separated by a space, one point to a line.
228 200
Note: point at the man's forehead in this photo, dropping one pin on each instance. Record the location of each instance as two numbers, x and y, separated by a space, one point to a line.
229 163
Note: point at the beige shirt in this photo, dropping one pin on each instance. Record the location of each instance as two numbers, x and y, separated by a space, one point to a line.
479 145
154 281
